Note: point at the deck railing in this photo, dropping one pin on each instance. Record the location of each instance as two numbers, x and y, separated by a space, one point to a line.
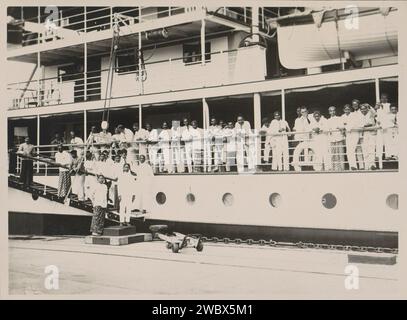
93 20
359 149
155 76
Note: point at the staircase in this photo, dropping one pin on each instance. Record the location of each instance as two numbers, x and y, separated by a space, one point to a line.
50 193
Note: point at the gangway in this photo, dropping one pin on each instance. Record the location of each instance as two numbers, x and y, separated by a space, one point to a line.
51 193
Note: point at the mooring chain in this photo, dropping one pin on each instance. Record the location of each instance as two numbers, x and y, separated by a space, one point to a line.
302 245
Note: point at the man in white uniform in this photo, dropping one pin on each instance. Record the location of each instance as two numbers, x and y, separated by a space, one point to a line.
302 125
369 137
319 135
243 130
229 134
152 146
176 147
126 135
145 176
126 187
279 142
390 134
186 150
164 139
384 101
197 146
78 141
140 138
380 119
353 138
267 141
336 140
301 138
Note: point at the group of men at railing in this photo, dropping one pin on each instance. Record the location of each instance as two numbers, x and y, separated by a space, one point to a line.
361 138
358 139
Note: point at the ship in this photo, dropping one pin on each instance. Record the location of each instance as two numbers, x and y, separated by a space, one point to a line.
153 64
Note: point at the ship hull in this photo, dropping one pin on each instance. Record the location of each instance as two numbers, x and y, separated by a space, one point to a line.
246 206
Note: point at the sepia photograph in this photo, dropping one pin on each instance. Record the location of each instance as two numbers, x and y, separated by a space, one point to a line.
200 151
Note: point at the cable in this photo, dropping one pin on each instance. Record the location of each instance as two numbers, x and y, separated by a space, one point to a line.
110 75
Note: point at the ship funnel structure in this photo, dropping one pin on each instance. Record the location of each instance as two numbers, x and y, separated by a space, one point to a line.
316 38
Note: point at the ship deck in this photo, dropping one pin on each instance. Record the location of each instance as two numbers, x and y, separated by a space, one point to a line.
235 271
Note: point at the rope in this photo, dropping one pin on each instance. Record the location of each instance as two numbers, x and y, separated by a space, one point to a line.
110 74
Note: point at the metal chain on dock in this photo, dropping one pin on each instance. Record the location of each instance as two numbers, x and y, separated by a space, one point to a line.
302 245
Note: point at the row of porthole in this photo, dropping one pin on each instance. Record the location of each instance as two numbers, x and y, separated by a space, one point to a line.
328 200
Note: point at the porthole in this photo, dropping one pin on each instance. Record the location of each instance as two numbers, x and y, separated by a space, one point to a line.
227 199
275 200
191 198
392 201
329 201
161 198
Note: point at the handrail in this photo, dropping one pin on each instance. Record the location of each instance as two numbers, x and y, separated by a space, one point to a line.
61 165
253 134
139 18
130 65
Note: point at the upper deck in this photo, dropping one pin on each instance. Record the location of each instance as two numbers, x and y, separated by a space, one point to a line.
62 38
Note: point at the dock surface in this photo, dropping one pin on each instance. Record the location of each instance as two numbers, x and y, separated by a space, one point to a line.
149 270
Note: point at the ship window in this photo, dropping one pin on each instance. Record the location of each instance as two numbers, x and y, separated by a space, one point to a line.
161 198
126 62
275 200
192 52
329 201
191 198
392 201
227 199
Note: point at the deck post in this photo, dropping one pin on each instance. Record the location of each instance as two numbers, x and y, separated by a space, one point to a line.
257 124
85 126
140 116
377 89
39 78
85 19
85 70
111 18
205 114
39 22
140 71
203 42
38 139
283 104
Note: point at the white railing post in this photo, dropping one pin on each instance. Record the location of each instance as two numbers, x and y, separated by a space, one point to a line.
39 78
377 89
85 127
140 75
111 17
85 20
140 116
257 125
38 140
203 42
85 70
283 104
